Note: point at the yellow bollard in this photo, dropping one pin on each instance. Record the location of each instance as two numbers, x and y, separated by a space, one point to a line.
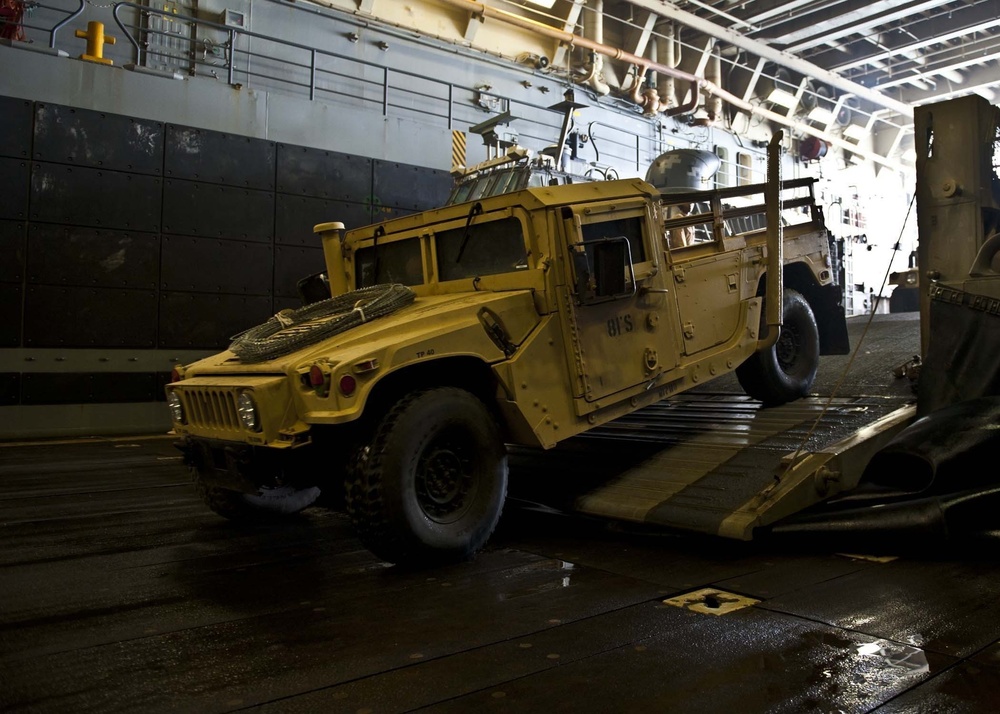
95 42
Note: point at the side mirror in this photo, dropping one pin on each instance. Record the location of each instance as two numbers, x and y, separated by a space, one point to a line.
314 288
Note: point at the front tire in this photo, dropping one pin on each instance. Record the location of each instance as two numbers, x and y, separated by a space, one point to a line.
787 369
431 485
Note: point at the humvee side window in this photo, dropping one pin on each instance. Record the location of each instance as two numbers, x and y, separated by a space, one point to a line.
489 248
398 262
631 228
600 266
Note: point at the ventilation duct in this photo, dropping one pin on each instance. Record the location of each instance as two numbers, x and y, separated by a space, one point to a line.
816 95
776 86
848 107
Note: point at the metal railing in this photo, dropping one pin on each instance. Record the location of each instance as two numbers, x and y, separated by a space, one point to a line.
52 31
309 68
244 58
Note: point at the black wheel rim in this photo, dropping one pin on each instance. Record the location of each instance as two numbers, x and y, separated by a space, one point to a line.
444 478
788 348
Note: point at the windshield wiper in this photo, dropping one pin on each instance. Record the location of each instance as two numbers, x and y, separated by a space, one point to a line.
477 209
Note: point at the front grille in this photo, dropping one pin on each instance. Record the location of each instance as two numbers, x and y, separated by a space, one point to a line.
210 408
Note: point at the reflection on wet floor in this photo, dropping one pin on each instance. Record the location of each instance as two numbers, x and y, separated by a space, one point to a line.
561 572
910 659
121 593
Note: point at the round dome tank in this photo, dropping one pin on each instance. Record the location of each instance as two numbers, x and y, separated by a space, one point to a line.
682 170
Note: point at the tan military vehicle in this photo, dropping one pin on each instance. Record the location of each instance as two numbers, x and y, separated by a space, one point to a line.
521 318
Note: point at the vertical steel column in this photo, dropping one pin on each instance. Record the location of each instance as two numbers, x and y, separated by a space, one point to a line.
385 92
232 57
312 75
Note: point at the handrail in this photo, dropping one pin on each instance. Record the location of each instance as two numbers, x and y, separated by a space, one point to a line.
59 25
309 71
233 32
70 15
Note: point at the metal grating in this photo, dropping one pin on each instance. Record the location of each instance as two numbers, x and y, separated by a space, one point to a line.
210 408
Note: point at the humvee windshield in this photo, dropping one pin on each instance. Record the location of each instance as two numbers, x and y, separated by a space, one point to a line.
486 248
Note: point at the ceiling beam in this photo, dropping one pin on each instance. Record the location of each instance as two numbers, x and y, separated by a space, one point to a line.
940 26
785 59
871 22
759 12
944 61
817 21
985 76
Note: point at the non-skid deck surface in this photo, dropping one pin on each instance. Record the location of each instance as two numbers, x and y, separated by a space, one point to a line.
121 592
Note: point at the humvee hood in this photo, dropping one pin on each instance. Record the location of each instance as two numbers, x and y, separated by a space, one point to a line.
427 317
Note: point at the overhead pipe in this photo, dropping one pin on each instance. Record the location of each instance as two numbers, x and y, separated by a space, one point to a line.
666 51
593 27
616 53
761 49
713 73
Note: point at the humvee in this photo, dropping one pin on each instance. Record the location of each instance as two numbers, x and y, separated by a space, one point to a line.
521 318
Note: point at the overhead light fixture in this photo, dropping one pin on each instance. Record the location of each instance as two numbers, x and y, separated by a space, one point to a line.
780 96
544 3
853 131
821 115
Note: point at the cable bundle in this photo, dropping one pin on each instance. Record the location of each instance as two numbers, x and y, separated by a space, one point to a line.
291 330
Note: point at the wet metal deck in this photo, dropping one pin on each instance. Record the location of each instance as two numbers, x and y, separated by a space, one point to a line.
120 591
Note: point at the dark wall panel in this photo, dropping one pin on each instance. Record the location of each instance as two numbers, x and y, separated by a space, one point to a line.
295 217
69 255
97 139
409 187
203 209
88 387
203 321
10 388
215 157
10 314
14 196
324 174
292 264
216 266
94 197
15 127
89 317
286 303
12 251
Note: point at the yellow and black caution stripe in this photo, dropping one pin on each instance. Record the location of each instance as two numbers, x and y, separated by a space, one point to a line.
457 148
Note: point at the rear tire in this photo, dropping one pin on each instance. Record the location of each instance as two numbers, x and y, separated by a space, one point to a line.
431 485
787 369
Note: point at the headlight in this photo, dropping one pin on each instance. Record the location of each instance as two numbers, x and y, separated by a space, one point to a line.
246 407
175 407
